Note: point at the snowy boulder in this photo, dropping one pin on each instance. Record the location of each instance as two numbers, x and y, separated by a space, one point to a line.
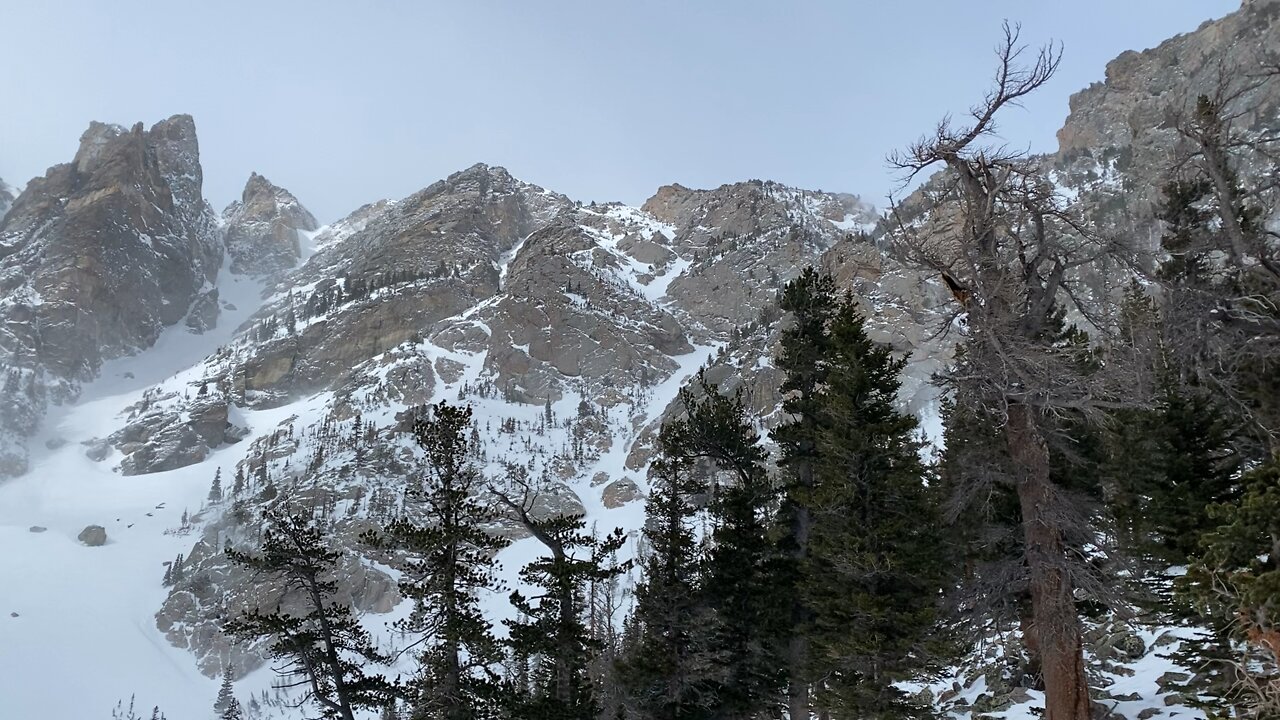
93 536
619 493
175 433
97 449
37 529
204 312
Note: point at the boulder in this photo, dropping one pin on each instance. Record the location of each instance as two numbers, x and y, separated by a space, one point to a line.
620 492
93 536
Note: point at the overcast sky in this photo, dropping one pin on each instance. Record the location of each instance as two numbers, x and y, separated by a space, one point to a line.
347 102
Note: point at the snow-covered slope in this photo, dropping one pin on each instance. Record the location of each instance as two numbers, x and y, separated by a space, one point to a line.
569 329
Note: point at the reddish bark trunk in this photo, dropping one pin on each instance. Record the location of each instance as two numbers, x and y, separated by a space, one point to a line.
1055 624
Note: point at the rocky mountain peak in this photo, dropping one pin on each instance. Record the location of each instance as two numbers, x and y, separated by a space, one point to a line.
262 228
7 194
97 257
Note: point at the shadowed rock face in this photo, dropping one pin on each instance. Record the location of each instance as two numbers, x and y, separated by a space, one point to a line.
96 258
262 235
7 195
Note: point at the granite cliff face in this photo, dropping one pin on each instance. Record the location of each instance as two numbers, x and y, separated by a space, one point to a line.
1119 145
7 194
263 229
96 258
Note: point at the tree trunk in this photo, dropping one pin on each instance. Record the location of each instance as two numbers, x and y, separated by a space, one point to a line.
798 703
1056 626
798 689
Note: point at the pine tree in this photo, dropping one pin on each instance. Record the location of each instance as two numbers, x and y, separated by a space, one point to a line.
1235 583
215 489
226 693
1173 463
452 570
667 672
551 631
237 486
324 649
232 711
740 566
811 300
876 566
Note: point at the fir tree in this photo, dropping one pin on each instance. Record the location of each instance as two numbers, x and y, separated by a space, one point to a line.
452 569
811 300
232 711
324 649
1234 582
226 693
876 566
741 588
667 671
215 488
551 631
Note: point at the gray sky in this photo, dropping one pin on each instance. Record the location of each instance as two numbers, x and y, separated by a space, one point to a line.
347 102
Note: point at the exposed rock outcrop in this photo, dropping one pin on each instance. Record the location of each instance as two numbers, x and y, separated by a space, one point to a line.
7 195
262 229
96 258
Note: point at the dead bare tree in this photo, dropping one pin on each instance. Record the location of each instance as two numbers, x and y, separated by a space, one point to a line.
1013 255
1221 274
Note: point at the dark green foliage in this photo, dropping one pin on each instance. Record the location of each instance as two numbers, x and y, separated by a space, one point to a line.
861 528
743 605
1234 583
551 637
1172 463
324 649
811 300
876 566
667 670
450 567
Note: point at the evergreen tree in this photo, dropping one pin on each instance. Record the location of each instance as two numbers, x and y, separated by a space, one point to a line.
232 711
811 300
667 671
877 564
551 632
1235 583
215 488
226 693
324 649
741 589
451 570
1173 463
